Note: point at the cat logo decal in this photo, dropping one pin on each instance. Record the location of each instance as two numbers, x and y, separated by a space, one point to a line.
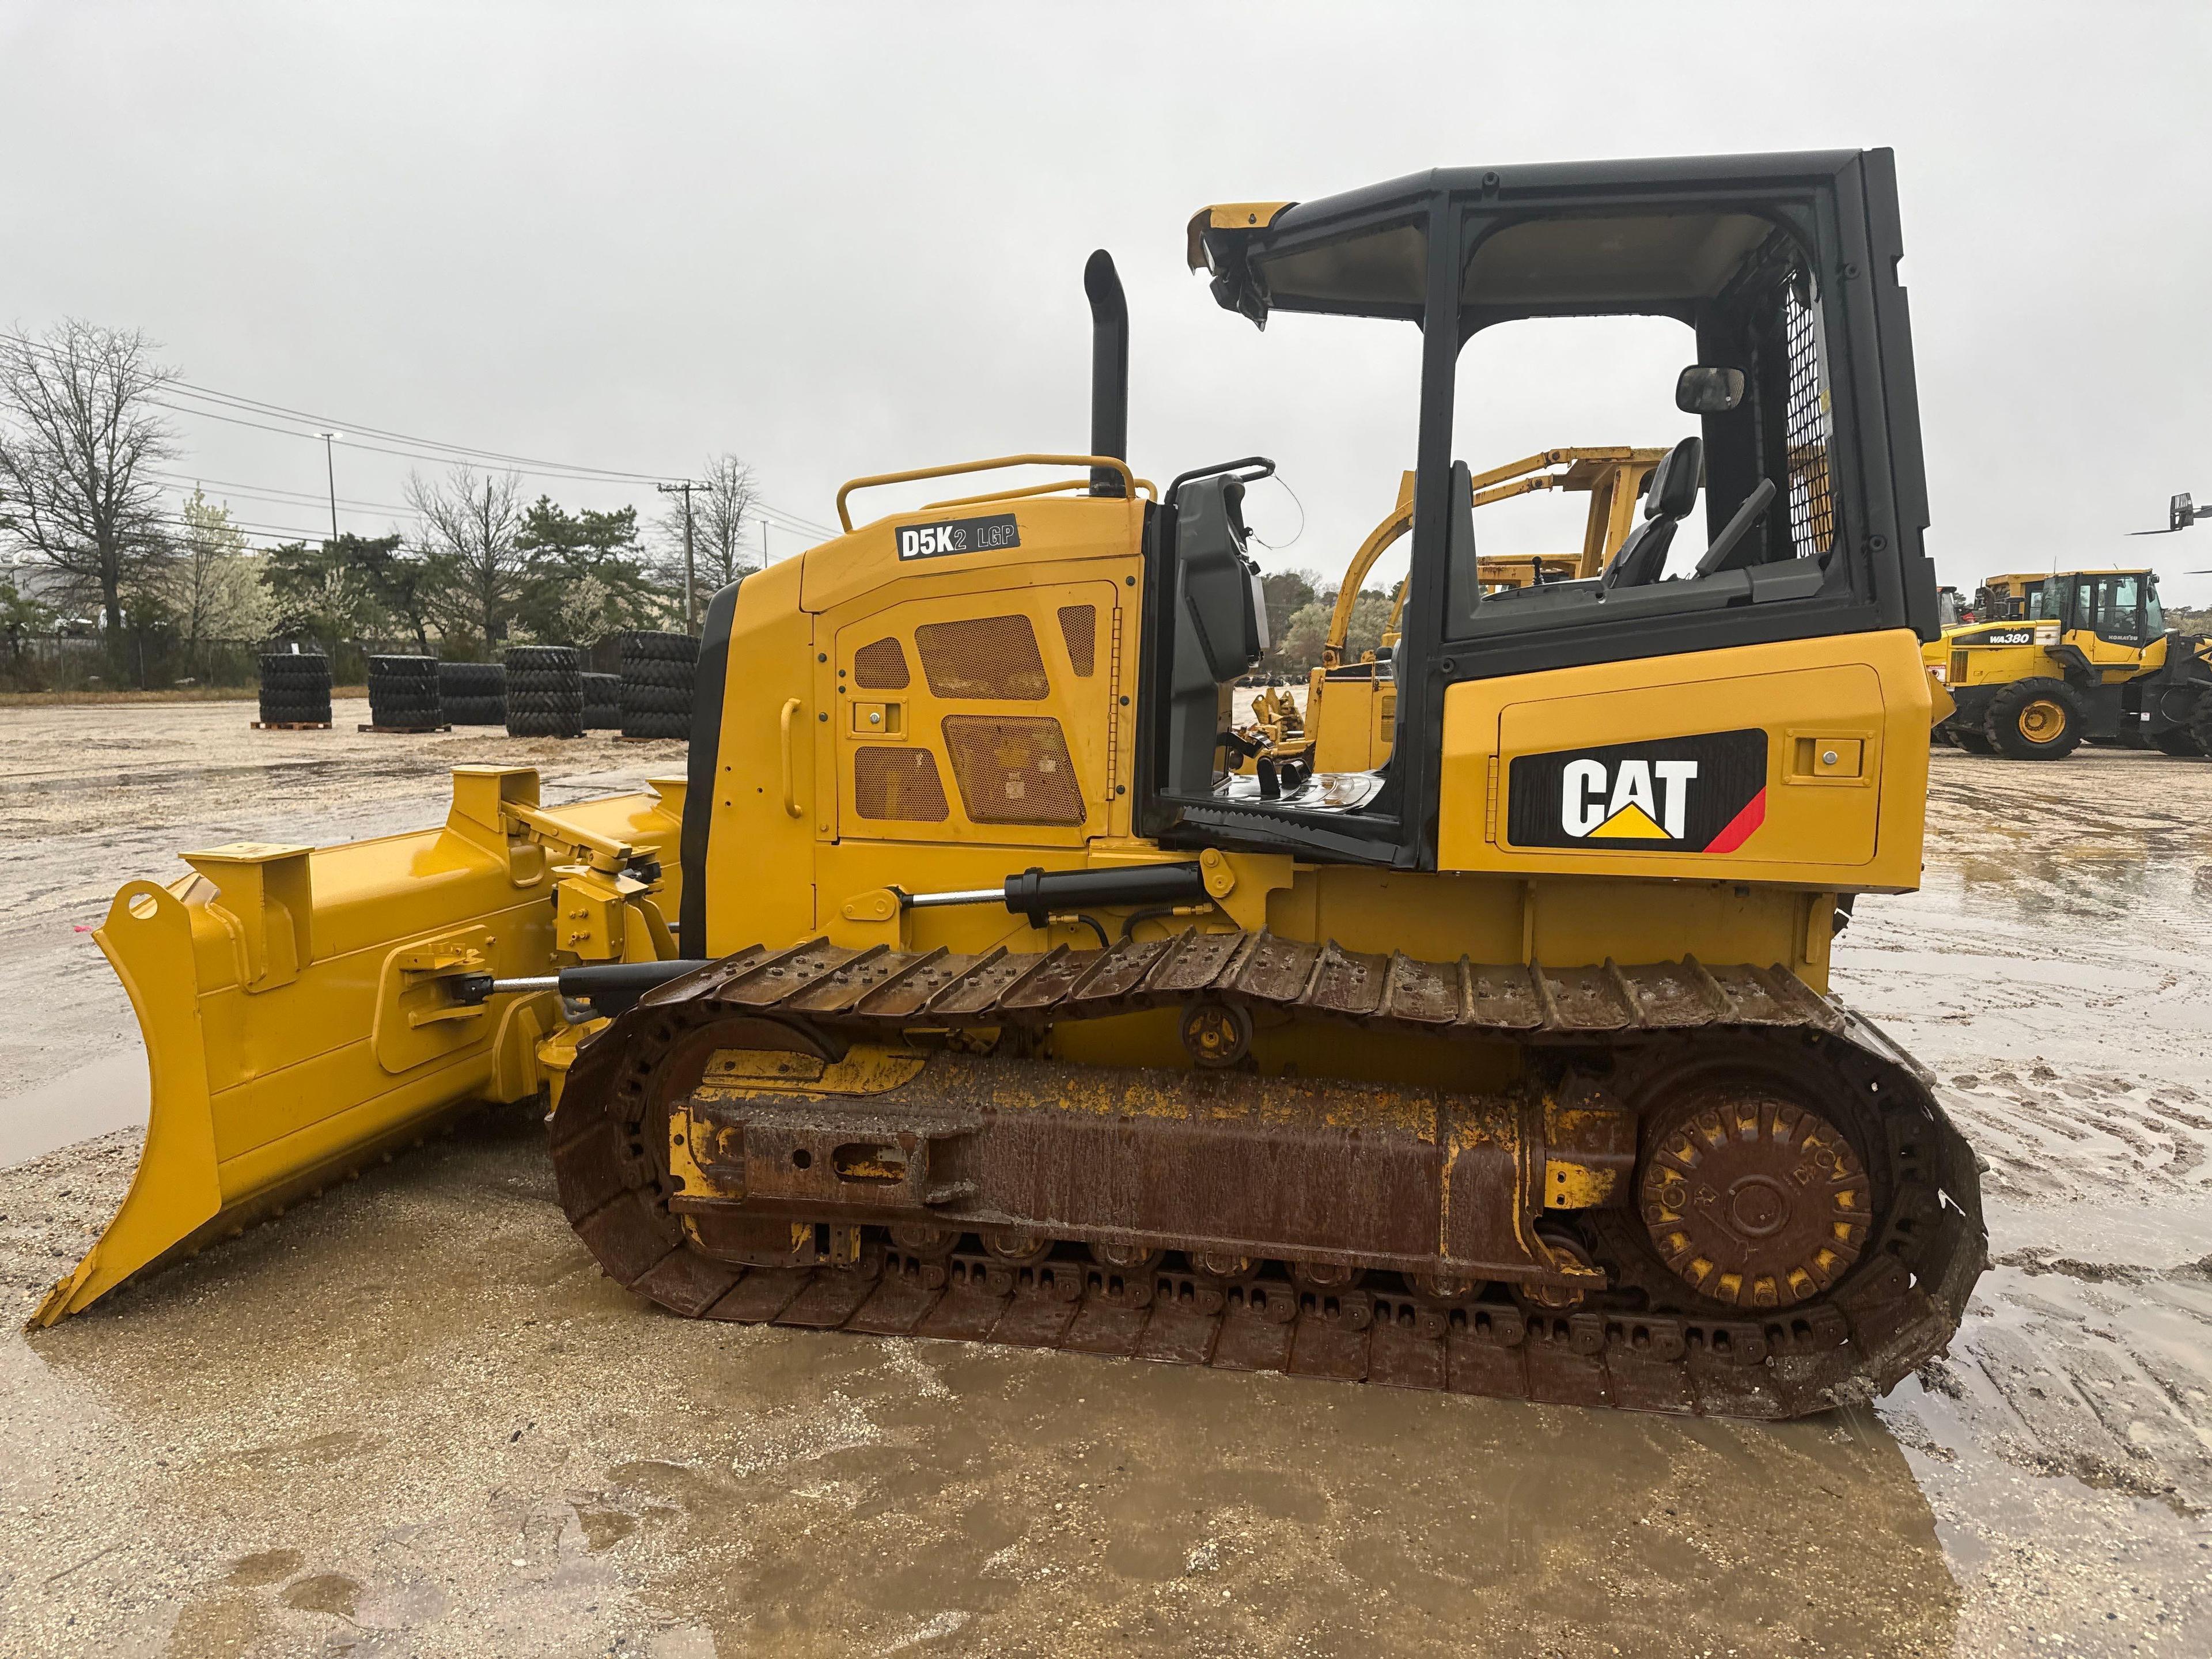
1704 793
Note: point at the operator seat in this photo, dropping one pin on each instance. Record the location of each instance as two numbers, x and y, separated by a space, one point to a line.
1673 493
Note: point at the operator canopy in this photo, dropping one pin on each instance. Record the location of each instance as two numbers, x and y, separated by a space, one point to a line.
1364 253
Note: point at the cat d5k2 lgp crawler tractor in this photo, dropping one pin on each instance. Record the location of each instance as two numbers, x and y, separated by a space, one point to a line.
999 1008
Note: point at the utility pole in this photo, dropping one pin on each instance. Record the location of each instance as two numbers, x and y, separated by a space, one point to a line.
331 472
690 607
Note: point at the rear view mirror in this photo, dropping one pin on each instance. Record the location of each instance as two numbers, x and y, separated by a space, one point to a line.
1703 390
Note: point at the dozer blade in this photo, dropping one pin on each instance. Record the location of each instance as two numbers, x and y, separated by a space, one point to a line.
298 1004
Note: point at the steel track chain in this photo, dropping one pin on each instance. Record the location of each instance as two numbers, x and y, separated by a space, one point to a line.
1639 1345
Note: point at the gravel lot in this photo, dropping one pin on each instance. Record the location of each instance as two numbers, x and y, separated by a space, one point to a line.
412 1418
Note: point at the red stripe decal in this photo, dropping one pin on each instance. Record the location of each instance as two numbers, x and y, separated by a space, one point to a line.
1740 827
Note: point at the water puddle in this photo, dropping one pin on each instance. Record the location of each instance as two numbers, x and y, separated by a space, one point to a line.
104 1094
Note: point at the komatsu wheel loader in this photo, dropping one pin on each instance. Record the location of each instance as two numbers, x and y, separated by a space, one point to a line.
2052 660
960 990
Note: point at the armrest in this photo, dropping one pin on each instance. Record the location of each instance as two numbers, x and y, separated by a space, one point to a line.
1738 526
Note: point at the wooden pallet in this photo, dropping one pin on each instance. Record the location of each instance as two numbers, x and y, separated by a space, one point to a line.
291 726
403 731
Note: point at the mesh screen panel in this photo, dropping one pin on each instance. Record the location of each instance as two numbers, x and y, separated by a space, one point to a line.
1012 768
898 783
994 657
880 665
1078 626
1805 425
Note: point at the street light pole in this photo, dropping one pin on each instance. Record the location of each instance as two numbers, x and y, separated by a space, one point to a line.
691 606
331 472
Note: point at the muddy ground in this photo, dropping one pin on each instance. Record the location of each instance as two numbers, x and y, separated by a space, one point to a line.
412 1418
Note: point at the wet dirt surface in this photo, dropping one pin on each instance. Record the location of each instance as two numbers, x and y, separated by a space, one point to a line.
412 1418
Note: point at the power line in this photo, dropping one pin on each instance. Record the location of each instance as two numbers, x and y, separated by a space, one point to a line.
260 527
382 449
256 406
271 492
445 453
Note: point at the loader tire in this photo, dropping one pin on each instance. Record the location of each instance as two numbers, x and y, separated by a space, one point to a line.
658 671
476 711
657 675
458 681
641 645
402 691
544 691
655 700
285 667
2037 719
2200 723
2177 740
1974 742
602 703
296 689
541 726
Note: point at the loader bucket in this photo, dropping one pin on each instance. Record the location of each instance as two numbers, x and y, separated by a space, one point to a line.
298 1013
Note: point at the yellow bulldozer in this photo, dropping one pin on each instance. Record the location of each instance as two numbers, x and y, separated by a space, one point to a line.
2053 661
961 989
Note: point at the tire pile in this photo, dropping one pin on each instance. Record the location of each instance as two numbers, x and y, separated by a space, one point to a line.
602 703
544 691
473 693
296 688
656 684
403 693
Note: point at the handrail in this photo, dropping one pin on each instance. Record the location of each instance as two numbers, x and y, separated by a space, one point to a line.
1128 478
790 798
1052 489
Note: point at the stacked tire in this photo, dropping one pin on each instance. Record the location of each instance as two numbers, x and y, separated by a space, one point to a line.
544 691
657 671
602 703
403 693
473 693
296 688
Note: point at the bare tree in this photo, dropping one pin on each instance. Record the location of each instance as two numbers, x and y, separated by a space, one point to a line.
472 538
722 512
79 438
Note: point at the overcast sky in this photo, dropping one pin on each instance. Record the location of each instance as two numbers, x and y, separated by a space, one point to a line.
837 241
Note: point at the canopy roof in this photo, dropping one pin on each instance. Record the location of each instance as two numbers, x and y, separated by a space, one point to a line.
1364 252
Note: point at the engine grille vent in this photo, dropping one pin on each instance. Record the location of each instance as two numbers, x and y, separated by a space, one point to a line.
992 658
1012 768
898 783
1078 626
880 665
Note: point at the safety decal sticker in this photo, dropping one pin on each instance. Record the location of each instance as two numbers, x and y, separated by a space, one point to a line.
931 541
1705 793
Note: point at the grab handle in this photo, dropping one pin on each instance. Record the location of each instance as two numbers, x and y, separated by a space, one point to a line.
790 799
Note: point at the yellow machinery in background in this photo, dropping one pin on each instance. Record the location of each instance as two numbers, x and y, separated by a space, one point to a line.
1361 694
2051 660
962 989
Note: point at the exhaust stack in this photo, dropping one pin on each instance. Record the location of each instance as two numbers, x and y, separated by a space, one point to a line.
1109 369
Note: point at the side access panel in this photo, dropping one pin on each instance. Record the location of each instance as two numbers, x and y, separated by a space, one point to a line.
1802 763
